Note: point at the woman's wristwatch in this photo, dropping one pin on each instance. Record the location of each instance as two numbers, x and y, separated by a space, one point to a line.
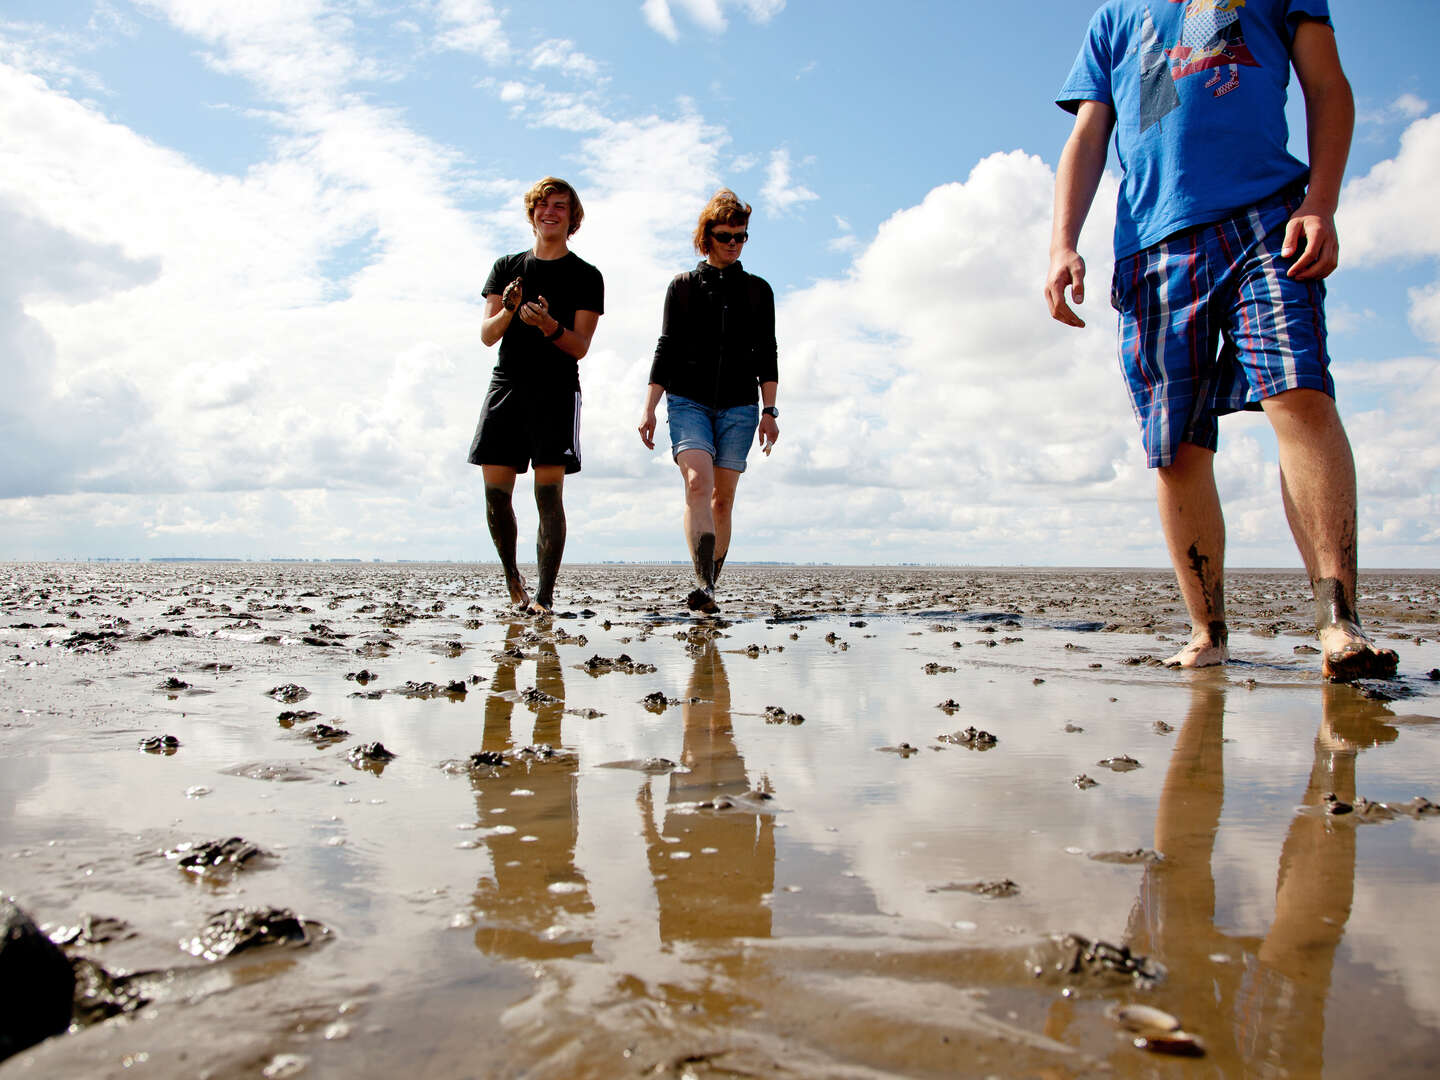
770 410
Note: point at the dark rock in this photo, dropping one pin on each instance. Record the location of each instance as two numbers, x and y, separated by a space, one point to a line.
37 985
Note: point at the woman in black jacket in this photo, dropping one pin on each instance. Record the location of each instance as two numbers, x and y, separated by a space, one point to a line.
715 357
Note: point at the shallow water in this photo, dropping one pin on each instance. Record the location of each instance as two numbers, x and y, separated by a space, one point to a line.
790 899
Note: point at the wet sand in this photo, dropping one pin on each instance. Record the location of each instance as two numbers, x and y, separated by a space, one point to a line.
735 847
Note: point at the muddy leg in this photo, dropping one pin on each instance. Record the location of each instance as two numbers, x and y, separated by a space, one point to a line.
500 516
1195 535
697 469
1317 479
550 541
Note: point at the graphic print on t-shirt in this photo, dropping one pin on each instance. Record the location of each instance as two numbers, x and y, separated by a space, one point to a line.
1211 37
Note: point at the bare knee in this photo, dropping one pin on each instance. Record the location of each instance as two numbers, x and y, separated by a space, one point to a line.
698 489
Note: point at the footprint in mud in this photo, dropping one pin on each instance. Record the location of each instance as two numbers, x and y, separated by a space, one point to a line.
904 749
282 771
994 890
1133 857
653 766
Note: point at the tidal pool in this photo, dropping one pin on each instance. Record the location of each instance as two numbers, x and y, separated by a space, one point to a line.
752 846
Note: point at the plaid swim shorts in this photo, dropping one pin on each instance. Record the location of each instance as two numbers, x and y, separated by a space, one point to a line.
1210 324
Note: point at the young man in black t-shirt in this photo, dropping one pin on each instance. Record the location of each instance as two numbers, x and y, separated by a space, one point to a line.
542 306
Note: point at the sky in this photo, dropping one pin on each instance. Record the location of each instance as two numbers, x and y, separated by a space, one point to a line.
244 246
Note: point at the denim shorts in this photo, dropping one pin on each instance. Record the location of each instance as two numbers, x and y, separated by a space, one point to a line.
724 434
1210 324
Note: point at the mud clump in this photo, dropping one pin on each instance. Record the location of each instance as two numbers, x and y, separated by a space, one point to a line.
599 665
160 744
971 737
239 929
1072 957
215 856
1120 763
289 693
774 714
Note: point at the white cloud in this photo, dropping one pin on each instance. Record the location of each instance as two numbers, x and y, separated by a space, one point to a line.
781 193
1410 106
563 56
1390 212
472 26
708 14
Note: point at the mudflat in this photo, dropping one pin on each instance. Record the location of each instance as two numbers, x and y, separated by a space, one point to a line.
363 820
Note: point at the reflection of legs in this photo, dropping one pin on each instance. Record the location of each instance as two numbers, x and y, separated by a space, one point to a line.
719 890
1284 1014
498 708
1195 534
551 679
697 469
550 541
500 516
1174 919
1317 478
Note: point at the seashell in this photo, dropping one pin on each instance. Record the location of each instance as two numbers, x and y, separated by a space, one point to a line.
1145 1019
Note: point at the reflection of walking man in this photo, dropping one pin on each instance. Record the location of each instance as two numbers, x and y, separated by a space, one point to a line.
542 306
1266 1005
535 902
1221 249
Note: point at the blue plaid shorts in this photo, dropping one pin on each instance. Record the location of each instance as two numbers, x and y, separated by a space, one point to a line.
1210 324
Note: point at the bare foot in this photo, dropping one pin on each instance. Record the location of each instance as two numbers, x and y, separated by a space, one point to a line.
1348 654
519 598
1201 652
703 601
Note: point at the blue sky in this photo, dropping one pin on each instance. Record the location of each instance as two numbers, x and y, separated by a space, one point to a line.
243 319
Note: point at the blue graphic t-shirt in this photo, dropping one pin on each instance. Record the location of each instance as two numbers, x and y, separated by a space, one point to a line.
1198 88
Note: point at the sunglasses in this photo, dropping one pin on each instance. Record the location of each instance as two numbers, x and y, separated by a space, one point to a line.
730 237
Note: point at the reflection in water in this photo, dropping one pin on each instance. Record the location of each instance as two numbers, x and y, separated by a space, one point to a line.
713 869
1263 1000
533 904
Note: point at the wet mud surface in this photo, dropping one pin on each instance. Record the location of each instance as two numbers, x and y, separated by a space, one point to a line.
361 820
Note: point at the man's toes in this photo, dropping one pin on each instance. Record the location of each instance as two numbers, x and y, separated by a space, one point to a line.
1359 660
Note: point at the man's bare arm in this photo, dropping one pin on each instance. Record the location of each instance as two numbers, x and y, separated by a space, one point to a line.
1077 177
1329 124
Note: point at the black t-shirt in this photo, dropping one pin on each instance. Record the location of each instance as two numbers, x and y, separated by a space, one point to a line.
569 284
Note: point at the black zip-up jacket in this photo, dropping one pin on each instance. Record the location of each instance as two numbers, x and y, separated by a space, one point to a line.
717 342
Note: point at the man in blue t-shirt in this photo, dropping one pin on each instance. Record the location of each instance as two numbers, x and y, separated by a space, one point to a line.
1223 240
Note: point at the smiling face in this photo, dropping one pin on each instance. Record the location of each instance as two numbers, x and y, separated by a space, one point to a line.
551 216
